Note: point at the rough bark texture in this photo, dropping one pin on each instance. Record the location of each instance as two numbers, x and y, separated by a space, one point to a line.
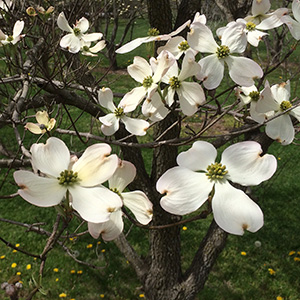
234 9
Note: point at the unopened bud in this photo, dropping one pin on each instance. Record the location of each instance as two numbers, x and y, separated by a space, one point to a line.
31 11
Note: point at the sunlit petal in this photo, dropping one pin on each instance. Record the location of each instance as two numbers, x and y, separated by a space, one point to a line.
135 126
63 23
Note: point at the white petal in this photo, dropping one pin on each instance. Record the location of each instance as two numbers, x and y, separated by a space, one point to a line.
140 205
246 166
163 62
51 158
198 157
109 230
295 112
260 7
95 165
124 174
135 126
266 102
273 20
110 124
140 69
42 117
296 9
82 24
281 129
293 26
257 117
105 99
132 99
255 36
70 42
18 27
154 108
212 71
63 23
92 37
94 204
201 39
98 47
34 128
39 191
180 28
173 46
185 190
235 38
191 96
189 66
234 211
281 92
132 45
243 70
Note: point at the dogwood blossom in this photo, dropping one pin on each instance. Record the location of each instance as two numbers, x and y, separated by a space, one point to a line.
198 176
262 19
254 36
79 182
44 123
275 101
148 75
87 50
294 25
136 201
154 109
153 36
5 4
77 36
242 70
111 121
16 36
190 94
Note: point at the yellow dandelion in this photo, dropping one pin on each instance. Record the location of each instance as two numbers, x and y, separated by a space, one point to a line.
184 228
98 243
13 265
19 273
79 272
2 256
17 245
243 253
296 258
62 295
28 267
101 295
279 158
89 246
141 295
55 270
56 279
279 298
72 271
292 253
271 271
298 252
103 250
14 251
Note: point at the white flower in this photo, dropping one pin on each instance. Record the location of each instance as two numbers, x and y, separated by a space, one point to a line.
61 176
250 95
274 101
190 94
154 109
148 75
198 176
5 4
254 36
111 121
44 123
242 70
294 25
136 201
76 37
87 50
16 36
154 36
263 20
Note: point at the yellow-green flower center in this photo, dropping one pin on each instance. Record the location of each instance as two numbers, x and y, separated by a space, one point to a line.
77 31
174 83
223 51
119 112
68 177
250 26
284 105
153 32
86 48
115 190
216 171
10 38
183 46
254 96
147 82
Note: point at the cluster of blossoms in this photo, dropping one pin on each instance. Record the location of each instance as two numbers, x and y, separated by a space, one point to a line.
174 80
